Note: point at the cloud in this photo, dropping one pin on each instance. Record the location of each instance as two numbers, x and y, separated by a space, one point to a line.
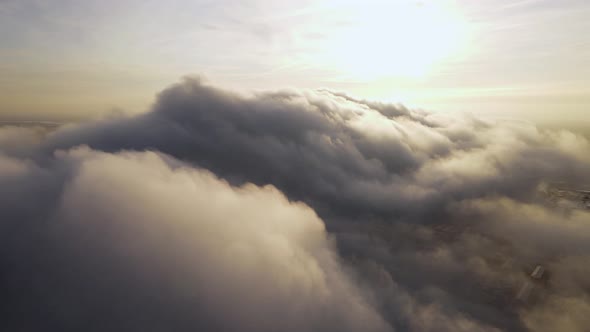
139 241
342 156
570 314
433 222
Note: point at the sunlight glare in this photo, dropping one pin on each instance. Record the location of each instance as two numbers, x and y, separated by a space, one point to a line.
378 39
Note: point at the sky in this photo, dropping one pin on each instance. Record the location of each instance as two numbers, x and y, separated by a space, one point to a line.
528 60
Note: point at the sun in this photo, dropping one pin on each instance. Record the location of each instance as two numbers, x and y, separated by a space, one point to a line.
377 39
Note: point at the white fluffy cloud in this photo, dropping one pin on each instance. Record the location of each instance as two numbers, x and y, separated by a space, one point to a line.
151 229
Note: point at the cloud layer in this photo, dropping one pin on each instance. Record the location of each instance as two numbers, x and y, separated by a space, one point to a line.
342 156
171 219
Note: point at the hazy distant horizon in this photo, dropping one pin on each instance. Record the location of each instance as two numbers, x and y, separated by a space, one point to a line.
549 116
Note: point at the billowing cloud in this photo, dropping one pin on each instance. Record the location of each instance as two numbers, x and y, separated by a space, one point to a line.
342 156
434 222
138 241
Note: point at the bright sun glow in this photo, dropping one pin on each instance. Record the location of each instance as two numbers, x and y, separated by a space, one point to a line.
378 39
